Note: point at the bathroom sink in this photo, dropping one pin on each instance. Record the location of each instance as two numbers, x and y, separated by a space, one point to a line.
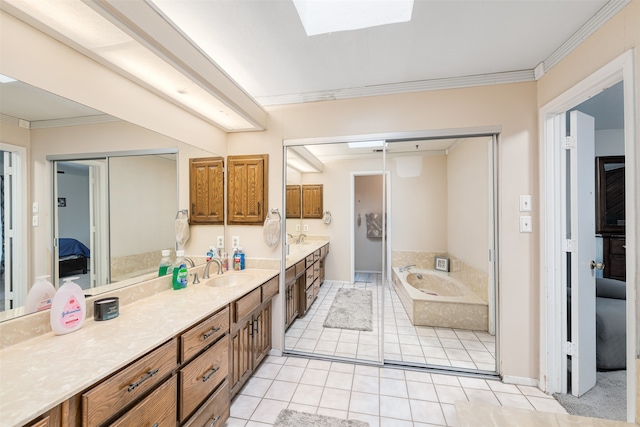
229 280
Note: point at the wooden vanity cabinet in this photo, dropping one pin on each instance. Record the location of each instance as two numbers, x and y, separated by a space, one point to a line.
312 279
51 418
247 194
206 190
157 409
292 289
250 333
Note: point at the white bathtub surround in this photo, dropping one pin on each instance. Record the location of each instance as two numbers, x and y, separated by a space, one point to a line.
433 298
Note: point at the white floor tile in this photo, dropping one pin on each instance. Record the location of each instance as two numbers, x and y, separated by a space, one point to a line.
281 390
514 400
268 410
364 403
366 384
243 406
340 380
427 412
395 407
317 377
335 399
256 387
422 391
450 394
373 420
290 374
307 395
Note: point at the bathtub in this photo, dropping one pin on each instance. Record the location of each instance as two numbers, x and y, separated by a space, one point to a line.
432 298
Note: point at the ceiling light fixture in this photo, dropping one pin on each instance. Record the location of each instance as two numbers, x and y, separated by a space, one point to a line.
367 144
330 16
113 45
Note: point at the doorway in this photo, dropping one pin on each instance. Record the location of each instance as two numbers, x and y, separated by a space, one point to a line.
565 349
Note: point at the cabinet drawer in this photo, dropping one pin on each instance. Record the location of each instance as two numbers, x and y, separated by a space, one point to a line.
323 251
270 288
616 246
202 376
247 303
108 398
290 274
309 277
158 409
309 297
316 255
300 267
310 260
215 411
204 334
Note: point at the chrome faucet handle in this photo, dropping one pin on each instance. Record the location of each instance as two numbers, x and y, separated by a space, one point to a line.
195 278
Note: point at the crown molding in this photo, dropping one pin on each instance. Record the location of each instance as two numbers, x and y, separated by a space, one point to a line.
55 123
396 88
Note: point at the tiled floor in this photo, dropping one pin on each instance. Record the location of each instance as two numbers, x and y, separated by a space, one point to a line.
402 341
381 396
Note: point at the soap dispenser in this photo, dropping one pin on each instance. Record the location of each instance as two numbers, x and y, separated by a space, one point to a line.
69 308
40 295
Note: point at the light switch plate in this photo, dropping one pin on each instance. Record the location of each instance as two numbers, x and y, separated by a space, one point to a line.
35 208
235 241
297 227
525 203
220 241
35 221
306 227
526 225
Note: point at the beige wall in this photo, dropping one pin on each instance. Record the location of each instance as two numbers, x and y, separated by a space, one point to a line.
468 202
511 106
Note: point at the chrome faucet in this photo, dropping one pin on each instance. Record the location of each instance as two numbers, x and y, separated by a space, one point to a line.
205 275
301 238
406 268
190 261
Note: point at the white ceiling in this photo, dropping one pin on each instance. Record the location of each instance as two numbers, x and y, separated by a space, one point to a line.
263 47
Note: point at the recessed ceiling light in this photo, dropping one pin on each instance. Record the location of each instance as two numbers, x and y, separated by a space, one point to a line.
330 16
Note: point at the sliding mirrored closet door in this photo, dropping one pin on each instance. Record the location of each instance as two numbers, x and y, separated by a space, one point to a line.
337 314
439 302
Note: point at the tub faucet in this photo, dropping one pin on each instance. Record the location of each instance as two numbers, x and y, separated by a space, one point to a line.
205 275
406 268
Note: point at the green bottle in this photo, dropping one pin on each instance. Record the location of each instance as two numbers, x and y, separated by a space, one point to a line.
165 264
180 273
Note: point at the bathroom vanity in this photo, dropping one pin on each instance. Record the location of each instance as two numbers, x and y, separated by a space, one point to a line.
172 358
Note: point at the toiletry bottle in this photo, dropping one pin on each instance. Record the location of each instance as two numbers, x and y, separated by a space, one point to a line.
241 253
210 253
180 273
224 257
40 295
236 259
166 267
68 309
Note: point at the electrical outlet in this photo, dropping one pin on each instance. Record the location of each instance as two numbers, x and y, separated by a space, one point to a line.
297 227
220 242
525 224
306 227
35 221
235 241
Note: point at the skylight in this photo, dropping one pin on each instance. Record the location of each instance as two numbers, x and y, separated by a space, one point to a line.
330 16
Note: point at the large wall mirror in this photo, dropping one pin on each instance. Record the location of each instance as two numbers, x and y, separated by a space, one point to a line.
112 187
413 221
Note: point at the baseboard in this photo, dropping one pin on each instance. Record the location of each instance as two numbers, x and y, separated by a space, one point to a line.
274 352
508 379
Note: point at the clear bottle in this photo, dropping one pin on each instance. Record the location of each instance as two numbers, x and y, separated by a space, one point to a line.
180 274
236 259
166 267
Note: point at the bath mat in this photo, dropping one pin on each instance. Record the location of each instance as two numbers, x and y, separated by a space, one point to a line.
351 309
363 277
291 418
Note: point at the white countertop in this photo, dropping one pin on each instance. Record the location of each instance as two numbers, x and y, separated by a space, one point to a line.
40 373
298 252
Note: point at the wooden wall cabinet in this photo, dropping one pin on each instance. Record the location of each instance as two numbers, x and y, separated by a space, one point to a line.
312 200
247 192
206 190
294 201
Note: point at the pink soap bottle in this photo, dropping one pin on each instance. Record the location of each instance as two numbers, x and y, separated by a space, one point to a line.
68 309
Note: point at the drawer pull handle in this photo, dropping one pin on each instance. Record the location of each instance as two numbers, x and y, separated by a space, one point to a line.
156 425
211 372
210 333
255 327
141 380
214 420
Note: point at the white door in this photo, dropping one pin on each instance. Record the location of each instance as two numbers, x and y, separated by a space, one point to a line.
582 242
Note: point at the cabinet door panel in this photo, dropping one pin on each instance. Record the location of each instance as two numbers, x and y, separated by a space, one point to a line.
293 201
241 357
247 189
206 190
312 201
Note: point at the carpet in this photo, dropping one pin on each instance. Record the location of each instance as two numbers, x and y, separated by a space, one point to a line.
351 309
290 418
363 277
608 399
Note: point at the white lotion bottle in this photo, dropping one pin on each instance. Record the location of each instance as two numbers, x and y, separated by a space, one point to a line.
69 308
40 295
